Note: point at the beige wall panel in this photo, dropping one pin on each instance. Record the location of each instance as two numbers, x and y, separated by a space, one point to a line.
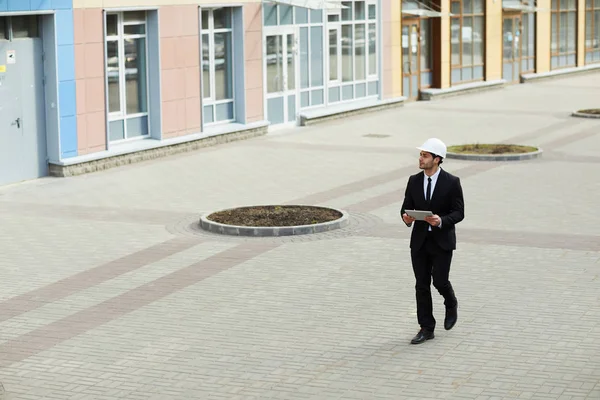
581 33
542 37
445 44
493 40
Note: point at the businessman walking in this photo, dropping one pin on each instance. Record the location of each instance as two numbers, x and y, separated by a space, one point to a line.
433 240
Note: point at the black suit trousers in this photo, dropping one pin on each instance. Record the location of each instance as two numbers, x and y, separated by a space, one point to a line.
431 261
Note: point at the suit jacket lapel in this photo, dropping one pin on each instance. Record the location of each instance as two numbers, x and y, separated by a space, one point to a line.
421 195
439 185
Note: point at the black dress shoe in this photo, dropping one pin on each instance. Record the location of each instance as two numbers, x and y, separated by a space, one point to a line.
422 336
451 317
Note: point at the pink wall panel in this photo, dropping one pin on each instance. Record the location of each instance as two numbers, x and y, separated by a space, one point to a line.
180 70
253 61
90 79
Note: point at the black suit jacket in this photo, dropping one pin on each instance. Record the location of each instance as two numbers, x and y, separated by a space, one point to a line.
446 201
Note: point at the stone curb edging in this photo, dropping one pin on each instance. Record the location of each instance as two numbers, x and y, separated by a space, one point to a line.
261 231
499 157
584 115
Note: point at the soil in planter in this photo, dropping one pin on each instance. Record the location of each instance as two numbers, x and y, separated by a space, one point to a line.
275 216
595 111
491 149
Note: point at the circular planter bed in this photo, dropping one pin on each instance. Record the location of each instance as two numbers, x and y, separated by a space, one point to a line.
587 113
493 152
274 220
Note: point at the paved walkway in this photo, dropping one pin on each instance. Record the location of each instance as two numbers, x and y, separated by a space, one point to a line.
109 292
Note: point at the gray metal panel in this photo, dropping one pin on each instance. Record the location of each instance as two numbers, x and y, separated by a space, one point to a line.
22 118
51 88
239 95
154 111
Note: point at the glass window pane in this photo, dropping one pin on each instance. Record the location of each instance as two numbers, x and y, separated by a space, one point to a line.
205 14
207 114
135 29
347 92
316 16
224 111
116 130
524 36
373 49
478 6
467 7
111 25
301 15
316 56
274 64
554 35
3 28
572 35
304 61
347 67
347 12
455 8
25 26
425 45
134 16
334 94
562 40
467 41
223 66
588 29
361 90
270 14
455 41
316 97
555 5
112 76
333 58
372 11
373 88
359 51
285 14
136 91
222 18
572 4
333 17
137 127
205 67
359 10
304 99
507 39
291 67
478 40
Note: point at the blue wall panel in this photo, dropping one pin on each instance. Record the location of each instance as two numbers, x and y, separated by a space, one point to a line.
40 5
18 5
68 137
62 4
67 102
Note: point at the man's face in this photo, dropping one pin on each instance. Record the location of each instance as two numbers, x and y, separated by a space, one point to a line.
426 160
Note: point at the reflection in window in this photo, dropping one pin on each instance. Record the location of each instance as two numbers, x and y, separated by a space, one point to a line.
564 31
217 64
127 75
592 31
467 33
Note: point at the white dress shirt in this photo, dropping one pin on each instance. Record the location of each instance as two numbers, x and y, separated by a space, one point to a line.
434 179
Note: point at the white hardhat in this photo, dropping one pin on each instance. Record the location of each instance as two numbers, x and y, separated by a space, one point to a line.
434 146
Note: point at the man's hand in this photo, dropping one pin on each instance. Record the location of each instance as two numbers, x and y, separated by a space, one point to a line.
408 220
434 220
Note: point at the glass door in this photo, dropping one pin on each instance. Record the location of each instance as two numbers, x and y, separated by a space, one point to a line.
416 57
511 49
281 74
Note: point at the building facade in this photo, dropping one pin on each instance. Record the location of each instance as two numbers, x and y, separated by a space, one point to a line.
86 81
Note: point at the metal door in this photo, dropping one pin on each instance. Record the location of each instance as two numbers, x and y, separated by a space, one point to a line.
281 75
22 110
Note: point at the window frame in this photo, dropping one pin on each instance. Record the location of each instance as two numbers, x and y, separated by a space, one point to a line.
593 51
370 76
460 17
122 114
211 99
558 12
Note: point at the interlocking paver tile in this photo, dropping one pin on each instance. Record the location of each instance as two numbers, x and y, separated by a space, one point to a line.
108 293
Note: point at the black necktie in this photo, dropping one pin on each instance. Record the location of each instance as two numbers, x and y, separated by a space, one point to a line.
428 198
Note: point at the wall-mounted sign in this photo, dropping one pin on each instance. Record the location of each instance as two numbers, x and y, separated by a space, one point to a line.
11 57
2 68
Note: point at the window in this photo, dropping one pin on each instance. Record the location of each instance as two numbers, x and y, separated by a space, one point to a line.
217 65
127 75
19 27
467 40
592 31
353 58
528 39
563 49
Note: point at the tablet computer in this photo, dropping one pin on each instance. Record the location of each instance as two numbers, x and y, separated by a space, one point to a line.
419 215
